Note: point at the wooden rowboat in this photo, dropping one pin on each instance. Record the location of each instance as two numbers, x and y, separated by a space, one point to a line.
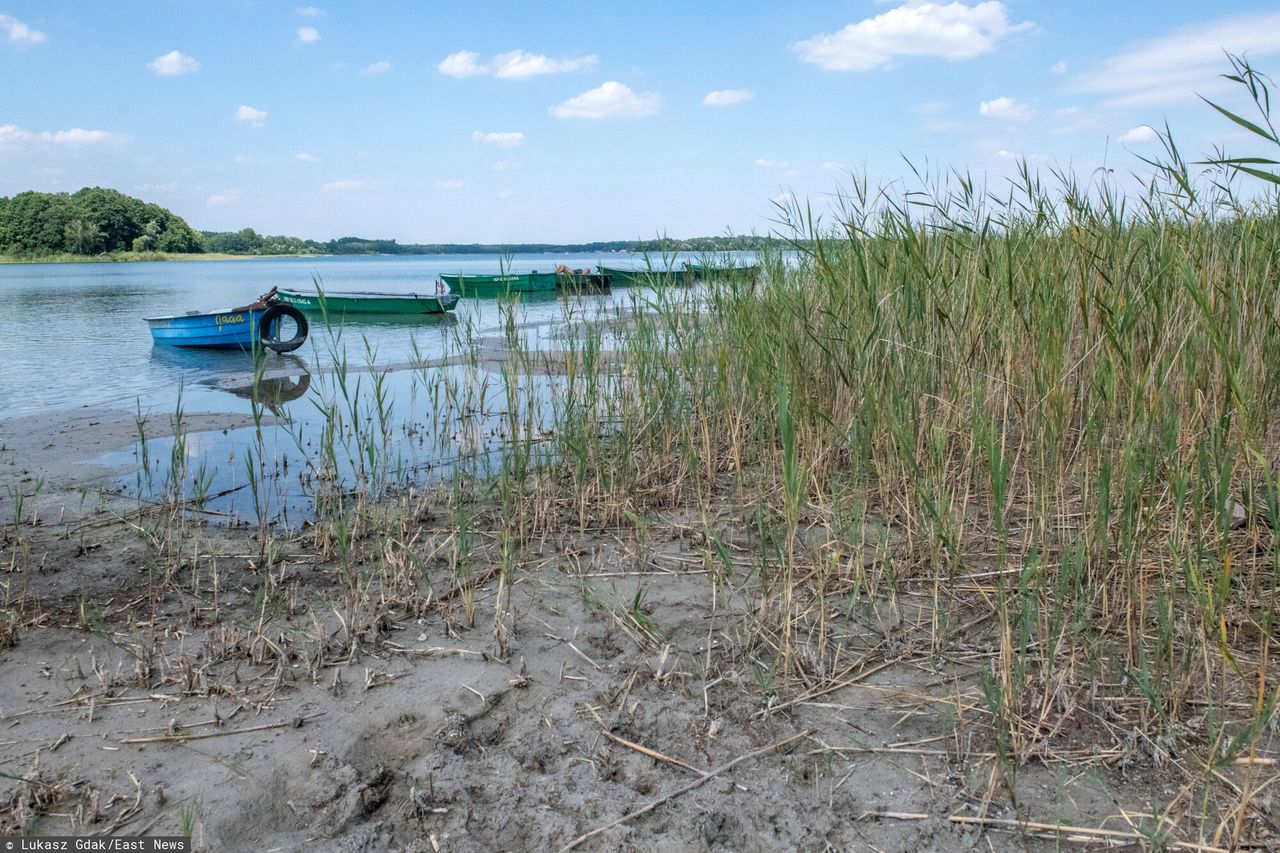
501 284
262 324
645 276
337 304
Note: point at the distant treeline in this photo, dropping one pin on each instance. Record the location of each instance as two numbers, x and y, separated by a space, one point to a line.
249 242
97 221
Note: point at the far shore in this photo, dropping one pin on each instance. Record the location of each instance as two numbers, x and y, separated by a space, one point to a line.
141 257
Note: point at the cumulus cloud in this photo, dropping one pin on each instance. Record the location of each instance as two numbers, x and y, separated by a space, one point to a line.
727 97
1059 67
308 12
1138 135
462 64
250 116
952 31
503 139
763 163
19 33
513 65
379 67
609 100
13 135
1006 109
306 158
307 35
1178 66
449 184
518 65
173 64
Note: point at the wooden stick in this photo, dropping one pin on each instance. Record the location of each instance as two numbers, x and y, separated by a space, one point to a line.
1084 831
297 721
652 753
600 830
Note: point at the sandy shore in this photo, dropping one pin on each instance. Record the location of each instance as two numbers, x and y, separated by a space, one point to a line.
195 684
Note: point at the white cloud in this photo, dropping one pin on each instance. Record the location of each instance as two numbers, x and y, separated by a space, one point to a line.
308 12
833 166
173 64
1005 154
504 166
307 35
1059 67
306 158
226 198
952 31
250 116
19 33
462 64
518 65
505 193
609 100
727 97
763 163
503 139
1178 66
785 199
513 65
449 184
1004 108
11 134
379 67
345 186
1139 135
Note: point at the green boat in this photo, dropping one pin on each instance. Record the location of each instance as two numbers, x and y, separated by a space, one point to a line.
703 272
501 284
364 302
644 276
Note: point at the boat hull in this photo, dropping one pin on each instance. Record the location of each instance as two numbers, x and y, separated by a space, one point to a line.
236 328
338 304
500 285
645 277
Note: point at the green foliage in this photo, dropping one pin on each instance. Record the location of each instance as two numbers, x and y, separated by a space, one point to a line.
93 221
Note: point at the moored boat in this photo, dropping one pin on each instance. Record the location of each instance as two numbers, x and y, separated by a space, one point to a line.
500 284
338 303
581 281
705 272
643 276
263 323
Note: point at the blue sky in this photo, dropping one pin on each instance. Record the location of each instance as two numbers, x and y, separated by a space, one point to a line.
578 121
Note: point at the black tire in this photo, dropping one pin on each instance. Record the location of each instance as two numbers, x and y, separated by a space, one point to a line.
268 326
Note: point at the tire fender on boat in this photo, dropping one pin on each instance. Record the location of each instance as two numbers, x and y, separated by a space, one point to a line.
268 328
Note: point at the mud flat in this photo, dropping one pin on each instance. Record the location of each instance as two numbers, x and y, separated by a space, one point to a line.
602 688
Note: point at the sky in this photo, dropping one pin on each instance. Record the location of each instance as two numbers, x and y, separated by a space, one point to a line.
580 121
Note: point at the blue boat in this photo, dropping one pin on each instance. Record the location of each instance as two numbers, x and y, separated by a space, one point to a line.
260 324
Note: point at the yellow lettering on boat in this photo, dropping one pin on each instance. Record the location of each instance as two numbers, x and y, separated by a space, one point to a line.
229 319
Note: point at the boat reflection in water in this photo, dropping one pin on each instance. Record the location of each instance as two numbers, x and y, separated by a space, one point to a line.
275 388
278 379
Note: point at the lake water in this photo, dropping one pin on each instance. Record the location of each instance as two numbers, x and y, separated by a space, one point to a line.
73 336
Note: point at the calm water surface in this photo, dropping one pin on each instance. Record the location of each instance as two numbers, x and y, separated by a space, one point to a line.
73 335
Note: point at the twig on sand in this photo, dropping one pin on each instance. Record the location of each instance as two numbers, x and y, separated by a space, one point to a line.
683 789
652 753
296 722
1078 833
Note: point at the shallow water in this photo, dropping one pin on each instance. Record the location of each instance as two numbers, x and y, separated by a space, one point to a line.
73 335
335 416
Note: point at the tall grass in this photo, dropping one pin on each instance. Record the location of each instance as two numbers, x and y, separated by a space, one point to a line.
1056 387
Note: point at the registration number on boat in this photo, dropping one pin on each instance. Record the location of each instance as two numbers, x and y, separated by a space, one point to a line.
229 319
